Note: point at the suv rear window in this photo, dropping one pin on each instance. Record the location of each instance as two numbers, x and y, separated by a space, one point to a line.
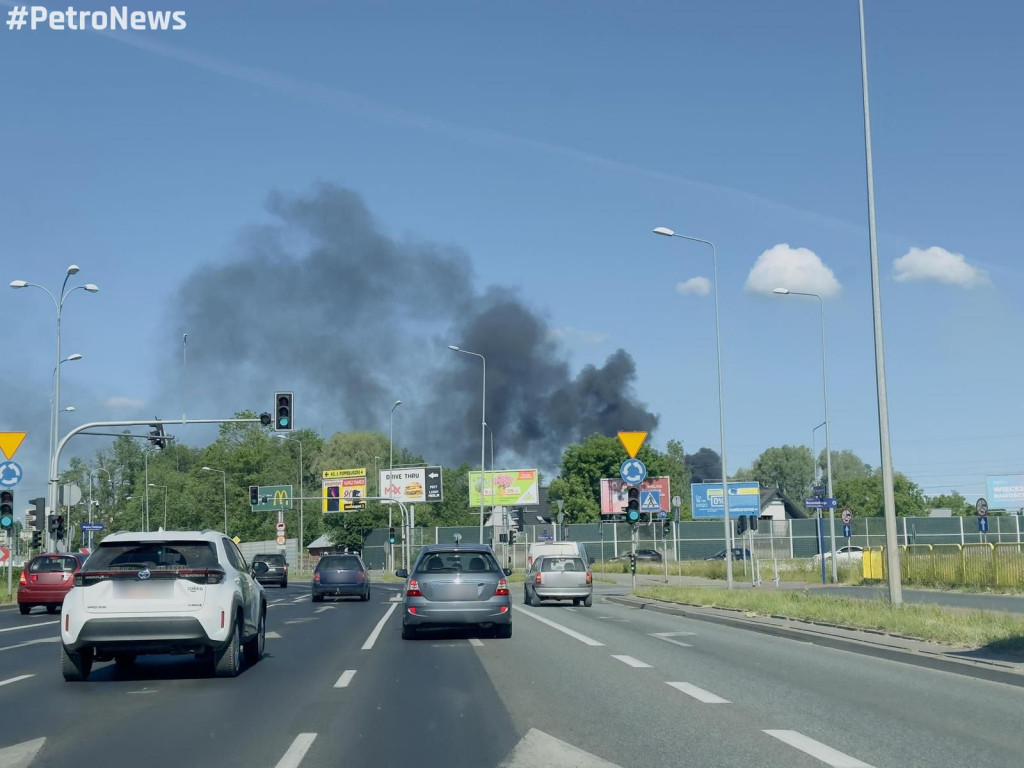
269 559
340 562
152 554
455 561
559 564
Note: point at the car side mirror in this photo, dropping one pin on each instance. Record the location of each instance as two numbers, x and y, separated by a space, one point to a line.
402 573
508 571
258 569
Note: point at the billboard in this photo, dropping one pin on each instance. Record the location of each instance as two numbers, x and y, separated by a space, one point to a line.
706 500
1004 491
340 484
613 493
412 485
505 488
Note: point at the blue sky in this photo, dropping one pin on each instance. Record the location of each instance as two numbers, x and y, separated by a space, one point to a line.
545 141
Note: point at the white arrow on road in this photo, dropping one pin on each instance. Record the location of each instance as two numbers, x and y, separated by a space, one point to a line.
538 748
21 755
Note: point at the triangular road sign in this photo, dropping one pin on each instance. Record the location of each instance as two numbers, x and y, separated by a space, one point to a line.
632 442
10 442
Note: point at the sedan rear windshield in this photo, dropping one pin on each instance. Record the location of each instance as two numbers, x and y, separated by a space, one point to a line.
560 564
340 562
456 561
51 564
130 555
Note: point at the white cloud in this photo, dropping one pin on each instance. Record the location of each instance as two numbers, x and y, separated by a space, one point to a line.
577 336
122 404
697 286
939 265
798 269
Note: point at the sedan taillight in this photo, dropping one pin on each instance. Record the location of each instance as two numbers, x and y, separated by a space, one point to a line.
414 589
22 579
502 588
316 577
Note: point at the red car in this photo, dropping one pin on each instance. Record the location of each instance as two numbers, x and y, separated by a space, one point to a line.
46 578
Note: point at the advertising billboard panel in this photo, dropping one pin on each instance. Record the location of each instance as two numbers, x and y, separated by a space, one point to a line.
505 488
1004 491
412 485
613 493
340 484
707 501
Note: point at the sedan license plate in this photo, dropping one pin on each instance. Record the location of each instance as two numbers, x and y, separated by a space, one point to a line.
143 590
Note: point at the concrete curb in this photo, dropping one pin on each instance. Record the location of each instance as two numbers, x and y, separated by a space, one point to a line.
900 649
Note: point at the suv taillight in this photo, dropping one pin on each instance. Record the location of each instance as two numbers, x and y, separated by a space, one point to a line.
590 578
502 588
538 581
79 579
204 576
414 589
316 577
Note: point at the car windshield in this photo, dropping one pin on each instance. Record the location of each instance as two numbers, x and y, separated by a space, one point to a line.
561 564
455 561
269 559
152 554
340 562
51 565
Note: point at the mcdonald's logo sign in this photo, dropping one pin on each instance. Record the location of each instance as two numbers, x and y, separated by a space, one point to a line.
282 499
270 498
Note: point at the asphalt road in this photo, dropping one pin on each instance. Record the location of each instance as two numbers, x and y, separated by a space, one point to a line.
574 686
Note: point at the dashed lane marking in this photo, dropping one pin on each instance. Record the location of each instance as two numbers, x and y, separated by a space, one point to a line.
345 679
816 749
297 751
630 661
699 693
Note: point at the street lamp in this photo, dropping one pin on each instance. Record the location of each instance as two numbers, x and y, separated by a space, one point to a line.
109 482
483 425
828 430
721 404
391 450
302 495
59 305
154 485
892 549
224 479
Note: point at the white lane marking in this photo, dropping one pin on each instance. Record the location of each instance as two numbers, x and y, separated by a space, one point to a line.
376 630
664 636
816 749
31 642
476 641
570 632
345 679
636 663
300 600
325 608
21 755
699 693
31 626
296 751
278 600
273 636
15 679
570 609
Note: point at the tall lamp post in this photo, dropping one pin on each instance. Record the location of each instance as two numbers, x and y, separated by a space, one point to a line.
53 378
92 473
391 466
149 452
155 485
59 305
721 404
224 479
483 426
828 431
302 497
892 549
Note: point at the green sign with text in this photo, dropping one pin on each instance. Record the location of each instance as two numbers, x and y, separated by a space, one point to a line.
272 498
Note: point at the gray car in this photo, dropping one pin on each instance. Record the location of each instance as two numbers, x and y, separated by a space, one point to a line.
341 576
456 586
559 577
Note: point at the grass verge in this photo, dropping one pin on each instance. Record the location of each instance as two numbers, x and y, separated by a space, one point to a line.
999 632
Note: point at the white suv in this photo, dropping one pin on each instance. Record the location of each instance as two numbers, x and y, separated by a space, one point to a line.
163 592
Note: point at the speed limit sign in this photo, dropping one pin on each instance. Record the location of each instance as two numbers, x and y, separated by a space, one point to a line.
280 527
847 516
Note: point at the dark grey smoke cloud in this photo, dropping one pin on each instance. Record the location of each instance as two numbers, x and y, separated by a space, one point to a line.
325 304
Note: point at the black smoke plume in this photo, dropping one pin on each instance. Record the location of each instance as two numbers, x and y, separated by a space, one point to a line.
324 304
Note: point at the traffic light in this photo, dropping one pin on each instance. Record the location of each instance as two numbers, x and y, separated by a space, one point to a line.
633 505
753 522
156 436
391 535
265 419
741 525
6 509
632 562
37 539
511 537
51 524
254 495
666 527
60 527
283 411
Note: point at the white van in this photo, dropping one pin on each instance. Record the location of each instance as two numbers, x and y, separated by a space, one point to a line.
556 548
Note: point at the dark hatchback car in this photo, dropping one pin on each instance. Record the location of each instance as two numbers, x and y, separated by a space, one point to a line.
737 554
341 576
46 578
277 569
650 555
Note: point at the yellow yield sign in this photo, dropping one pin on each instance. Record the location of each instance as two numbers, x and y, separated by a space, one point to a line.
10 442
632 442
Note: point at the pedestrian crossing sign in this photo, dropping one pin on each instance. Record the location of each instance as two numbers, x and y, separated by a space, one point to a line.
650 500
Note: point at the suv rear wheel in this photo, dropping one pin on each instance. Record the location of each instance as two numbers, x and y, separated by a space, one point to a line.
254 647
75 666
227 660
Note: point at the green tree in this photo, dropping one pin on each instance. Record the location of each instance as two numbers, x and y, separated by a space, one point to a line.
954 501
845 464
790 468
863 495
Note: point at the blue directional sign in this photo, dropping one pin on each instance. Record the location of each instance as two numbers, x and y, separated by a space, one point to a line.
92 526
820 503
10 474
633 472
707 500
847 530
983 525
650 501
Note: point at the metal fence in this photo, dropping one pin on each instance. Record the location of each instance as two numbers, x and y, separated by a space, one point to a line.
977 565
